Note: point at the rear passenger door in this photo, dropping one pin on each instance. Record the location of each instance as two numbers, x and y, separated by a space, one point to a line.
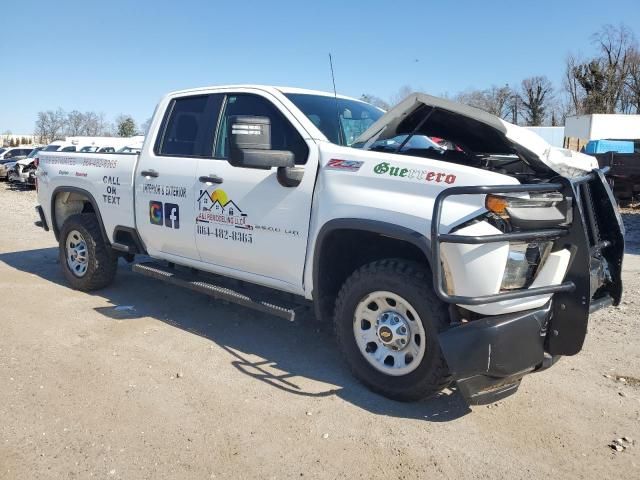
166 183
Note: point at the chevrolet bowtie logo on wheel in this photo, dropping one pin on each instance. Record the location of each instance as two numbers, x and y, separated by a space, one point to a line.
385 334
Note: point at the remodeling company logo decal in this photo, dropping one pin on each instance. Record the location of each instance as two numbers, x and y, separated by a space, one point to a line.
167 214
217 207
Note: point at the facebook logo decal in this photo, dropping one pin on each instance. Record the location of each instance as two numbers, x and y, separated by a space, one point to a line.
171 215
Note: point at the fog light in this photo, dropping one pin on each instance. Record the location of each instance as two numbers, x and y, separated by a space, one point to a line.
523 262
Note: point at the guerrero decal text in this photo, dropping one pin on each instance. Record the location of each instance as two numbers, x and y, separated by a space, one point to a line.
385 168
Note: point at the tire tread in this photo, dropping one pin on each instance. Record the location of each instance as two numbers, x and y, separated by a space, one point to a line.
417 275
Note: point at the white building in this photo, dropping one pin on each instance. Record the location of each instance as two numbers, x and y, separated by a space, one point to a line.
553 135
579 129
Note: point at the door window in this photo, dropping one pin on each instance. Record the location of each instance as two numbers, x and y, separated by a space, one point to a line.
283 135
189 126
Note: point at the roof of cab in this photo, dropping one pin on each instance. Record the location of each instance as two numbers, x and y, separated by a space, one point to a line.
267 88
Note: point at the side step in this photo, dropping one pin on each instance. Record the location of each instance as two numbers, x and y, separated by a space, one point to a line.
203 283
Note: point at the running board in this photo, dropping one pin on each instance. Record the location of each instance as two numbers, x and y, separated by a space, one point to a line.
202 284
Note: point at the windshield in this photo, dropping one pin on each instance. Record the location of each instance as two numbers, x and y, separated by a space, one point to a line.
355 117
415 142
2 150
34 152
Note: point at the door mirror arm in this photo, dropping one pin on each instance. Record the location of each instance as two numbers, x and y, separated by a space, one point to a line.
290 176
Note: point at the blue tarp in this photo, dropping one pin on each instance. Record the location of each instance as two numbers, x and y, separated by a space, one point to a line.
604 146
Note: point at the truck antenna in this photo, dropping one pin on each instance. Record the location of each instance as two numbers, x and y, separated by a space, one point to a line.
335 96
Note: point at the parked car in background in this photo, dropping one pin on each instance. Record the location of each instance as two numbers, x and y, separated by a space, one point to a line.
23 170
94 144
12 154
60 146
97 149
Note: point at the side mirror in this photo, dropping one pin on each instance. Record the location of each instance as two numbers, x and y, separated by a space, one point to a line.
250 144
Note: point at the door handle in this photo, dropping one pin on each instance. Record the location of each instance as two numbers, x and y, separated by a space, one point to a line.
210 179
149 173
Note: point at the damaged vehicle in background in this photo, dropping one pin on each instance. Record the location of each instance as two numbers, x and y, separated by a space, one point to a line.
24 170
443 243
10 155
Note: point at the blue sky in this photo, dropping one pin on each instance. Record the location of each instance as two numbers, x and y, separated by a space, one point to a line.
117 56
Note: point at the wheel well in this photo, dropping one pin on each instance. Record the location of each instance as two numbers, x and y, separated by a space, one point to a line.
67 203
343 251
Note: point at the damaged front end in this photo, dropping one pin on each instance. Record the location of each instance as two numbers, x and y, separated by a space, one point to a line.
522 277
489 355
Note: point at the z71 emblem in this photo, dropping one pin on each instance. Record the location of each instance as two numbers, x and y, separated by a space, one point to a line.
348 165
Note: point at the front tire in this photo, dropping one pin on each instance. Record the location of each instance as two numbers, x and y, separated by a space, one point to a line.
387 319
88 263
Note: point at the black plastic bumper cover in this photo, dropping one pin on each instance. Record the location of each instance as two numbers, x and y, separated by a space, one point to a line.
488 357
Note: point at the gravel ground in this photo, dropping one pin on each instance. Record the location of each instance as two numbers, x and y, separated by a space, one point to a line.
180 386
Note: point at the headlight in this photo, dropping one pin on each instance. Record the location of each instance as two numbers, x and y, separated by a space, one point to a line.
523 262
539 211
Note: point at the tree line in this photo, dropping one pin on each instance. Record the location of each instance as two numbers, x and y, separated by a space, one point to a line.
56 124
607 81
16 141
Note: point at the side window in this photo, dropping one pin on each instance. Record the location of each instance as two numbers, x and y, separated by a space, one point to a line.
283 135
69 149
189 126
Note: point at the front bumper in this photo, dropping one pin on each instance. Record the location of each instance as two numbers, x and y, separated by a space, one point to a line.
488 357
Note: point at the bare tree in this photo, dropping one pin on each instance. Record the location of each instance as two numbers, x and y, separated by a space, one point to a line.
50 125
402 93
632 84
495 100
536 94
616 45
75 123
144 127
367 97
96 125
601 84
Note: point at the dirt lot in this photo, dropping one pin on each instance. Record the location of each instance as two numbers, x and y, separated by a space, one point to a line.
180 386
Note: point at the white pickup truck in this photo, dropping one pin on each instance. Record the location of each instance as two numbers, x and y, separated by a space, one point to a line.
445 244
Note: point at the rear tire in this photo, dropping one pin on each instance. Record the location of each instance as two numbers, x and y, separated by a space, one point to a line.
397 298
88 263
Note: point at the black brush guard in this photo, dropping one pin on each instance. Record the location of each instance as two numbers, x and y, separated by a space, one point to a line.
489 356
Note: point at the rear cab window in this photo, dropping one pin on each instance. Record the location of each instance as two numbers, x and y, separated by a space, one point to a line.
188 127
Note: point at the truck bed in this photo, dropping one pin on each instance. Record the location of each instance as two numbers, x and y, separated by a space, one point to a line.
106 177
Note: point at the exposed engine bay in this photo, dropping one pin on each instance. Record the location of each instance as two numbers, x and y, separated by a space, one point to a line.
430 127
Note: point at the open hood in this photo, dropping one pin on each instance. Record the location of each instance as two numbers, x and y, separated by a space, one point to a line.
25 161
474 129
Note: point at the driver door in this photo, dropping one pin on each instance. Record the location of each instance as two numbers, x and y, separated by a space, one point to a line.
249 225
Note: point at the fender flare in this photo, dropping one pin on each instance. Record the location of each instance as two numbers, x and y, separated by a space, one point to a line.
386 229
92 201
